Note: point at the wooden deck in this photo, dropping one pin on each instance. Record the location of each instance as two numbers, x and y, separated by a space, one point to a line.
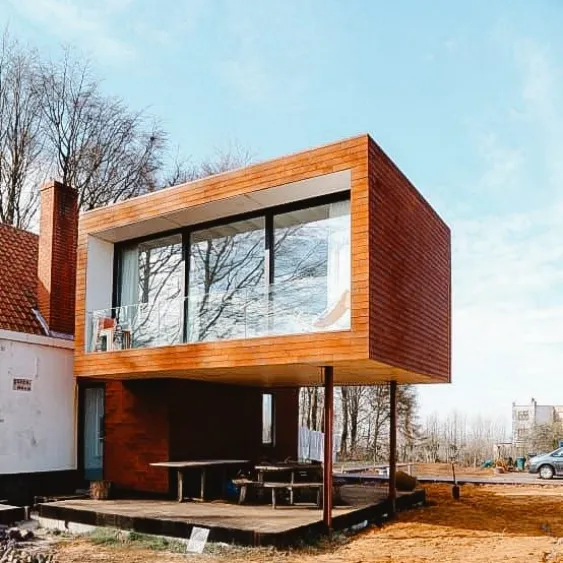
243 524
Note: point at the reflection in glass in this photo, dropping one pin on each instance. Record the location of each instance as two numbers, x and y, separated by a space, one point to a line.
311 288
227 281
238 285
152 292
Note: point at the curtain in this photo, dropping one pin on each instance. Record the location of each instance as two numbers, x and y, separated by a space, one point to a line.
129 283
339 264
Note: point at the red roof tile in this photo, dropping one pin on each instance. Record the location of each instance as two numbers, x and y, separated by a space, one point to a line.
18 280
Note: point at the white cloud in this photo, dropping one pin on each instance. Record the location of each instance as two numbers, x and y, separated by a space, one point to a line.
504 163
266 46
508 263
79 21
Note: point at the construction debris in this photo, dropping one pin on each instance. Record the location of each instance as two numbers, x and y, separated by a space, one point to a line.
16 546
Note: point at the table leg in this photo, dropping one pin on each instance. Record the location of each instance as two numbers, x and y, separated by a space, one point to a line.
273 497
180 485
242 496
292 480
202 484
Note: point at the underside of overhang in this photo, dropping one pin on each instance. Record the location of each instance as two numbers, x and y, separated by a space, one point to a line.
215 209
363 372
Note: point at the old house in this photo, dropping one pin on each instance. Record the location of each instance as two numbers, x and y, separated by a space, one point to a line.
37 390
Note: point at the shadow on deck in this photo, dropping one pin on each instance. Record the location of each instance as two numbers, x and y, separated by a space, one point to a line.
230 523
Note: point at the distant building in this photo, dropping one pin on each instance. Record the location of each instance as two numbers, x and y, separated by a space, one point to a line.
526 417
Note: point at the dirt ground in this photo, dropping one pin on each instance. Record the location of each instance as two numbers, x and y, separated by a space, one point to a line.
445 470
489 523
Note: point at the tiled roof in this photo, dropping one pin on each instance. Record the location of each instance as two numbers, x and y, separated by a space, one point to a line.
18 280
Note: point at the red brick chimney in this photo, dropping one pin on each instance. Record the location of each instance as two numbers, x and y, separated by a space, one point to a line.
56 265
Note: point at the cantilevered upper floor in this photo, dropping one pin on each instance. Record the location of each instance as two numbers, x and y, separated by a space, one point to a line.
265 274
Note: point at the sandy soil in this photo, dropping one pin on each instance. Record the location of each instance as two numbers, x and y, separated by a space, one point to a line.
445 470
490 523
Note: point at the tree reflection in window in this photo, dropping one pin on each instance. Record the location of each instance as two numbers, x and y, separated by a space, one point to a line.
227 283
152 291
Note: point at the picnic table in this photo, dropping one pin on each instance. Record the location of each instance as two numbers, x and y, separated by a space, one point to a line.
293 468
202 465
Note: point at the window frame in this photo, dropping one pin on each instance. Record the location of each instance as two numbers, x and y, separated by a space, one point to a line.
269 258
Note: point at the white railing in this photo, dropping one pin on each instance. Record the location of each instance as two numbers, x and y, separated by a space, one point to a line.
301 306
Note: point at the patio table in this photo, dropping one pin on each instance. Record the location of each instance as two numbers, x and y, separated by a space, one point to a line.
291 468
202 465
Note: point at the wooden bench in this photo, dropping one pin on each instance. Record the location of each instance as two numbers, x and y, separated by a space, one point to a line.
290 487
243 484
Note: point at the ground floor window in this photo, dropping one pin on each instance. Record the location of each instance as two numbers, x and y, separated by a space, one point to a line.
267 419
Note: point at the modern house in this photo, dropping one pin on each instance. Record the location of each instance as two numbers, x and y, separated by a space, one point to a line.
202 308
37 398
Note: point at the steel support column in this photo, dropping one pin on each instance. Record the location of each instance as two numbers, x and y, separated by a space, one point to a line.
393 445
328 430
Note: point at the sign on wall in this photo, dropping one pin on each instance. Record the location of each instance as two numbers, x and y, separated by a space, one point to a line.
21 384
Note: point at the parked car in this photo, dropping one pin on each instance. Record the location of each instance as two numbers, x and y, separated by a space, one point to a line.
548 465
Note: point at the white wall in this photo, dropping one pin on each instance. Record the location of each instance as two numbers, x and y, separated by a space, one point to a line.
99 279
545 414
37 427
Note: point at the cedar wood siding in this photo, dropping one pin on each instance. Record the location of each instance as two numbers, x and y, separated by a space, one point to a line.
410 274
316 348
400 283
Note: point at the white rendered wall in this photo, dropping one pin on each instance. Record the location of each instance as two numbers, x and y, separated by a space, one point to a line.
37 427
99 279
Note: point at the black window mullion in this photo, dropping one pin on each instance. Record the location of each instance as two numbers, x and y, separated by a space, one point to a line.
186 256
269 224
117 277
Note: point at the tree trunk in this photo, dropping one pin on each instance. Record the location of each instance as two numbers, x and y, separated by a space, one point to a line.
344 434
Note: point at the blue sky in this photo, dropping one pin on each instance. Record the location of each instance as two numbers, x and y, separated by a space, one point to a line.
467 98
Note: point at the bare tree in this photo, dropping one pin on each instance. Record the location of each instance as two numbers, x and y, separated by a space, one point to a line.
182 170
20 140
55 121
97 145
455 437
545 437
311 407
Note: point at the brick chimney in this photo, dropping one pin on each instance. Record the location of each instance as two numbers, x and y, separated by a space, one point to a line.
56 265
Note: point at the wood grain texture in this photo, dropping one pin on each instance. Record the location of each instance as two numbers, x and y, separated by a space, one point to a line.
410 274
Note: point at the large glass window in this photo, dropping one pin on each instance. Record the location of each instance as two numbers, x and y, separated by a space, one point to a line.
311 281
283 272
152 292
227 281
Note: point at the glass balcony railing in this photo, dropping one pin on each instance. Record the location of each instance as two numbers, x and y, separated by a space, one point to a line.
302 306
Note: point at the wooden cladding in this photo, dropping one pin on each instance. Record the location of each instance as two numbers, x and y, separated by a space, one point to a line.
356 354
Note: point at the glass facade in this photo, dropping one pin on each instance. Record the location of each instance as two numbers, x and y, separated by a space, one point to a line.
311 281
286 271
227 275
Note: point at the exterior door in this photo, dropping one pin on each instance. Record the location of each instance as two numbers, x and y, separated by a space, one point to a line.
93 433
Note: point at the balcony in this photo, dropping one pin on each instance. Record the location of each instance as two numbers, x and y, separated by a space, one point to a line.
299 307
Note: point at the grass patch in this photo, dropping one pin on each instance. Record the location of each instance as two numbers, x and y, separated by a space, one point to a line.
109 537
